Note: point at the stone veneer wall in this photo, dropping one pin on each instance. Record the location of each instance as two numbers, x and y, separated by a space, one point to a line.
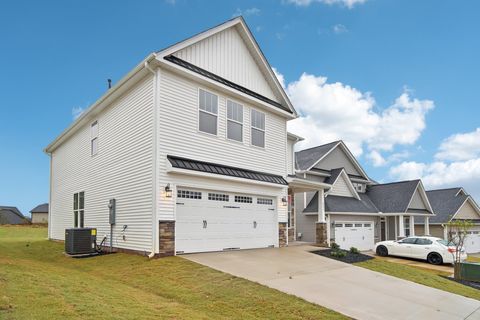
321 234
282 234
291 234
166 236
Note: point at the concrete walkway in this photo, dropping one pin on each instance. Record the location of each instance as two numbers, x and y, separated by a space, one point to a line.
353 291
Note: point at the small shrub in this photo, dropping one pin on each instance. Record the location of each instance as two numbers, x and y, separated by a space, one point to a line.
334 246
338 254
354 250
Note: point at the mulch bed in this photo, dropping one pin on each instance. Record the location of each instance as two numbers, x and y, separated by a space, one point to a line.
475 285
349 258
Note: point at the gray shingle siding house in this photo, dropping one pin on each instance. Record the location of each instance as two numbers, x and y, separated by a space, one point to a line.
453 204
11 215
39 214
351 209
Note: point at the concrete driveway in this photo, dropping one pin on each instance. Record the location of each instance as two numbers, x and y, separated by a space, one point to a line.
353 291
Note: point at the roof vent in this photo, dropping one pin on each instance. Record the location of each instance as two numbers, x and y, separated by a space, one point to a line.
109 83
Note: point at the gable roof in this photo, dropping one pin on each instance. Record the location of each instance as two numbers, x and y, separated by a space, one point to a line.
41 208
343 204
335 174
306 159
11 215
445 203
263 64
393 197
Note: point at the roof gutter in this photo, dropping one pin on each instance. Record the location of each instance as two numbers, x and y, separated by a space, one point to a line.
98 104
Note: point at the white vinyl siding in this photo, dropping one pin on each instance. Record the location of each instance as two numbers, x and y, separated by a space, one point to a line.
208 112
258 128
121 170
94 138
178 122
227 55
234 121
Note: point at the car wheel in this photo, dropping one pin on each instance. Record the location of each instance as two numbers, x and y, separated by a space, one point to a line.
382 251
434 258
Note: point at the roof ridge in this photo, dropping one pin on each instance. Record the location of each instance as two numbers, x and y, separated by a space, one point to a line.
443 189
396 182
322 145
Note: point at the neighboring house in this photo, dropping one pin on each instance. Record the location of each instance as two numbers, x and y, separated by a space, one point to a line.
39 214
351 209
192 144
11 215
453 204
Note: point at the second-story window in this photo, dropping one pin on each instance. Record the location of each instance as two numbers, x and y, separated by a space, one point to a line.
258 128
208 112
234 121
94 138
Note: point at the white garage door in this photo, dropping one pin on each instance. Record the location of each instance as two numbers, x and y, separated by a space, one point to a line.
472 242
215 221
355 234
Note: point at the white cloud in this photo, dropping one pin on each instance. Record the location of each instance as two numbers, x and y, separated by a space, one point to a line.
339 29
77 112
459 165
347 3
333 111
246 12
462 146
279 76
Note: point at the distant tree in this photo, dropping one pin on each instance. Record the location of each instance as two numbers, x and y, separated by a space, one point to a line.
457 232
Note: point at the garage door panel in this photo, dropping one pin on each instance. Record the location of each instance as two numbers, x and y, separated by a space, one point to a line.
228 224
355 234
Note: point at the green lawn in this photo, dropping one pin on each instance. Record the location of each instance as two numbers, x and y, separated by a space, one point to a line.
426 277
38 282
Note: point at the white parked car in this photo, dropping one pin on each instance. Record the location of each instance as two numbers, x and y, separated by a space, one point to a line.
433 250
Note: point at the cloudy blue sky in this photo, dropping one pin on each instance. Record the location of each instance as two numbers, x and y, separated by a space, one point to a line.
397 80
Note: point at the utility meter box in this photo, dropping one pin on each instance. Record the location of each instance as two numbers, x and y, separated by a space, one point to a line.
112 211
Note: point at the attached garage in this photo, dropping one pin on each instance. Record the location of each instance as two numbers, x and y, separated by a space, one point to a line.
358 234
209 220
472 241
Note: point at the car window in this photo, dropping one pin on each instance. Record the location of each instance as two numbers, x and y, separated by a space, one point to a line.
445 243
408 240
424 242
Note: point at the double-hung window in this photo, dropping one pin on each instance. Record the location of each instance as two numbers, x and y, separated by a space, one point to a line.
78 209
234 121
258 128
208 112
94 138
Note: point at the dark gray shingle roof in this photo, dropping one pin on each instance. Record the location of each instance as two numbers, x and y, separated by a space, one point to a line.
306 158
334 173
11 215
41 208
445 203
392 197
343 204
189 164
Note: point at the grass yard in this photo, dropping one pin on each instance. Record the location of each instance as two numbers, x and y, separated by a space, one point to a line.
38 282
426 277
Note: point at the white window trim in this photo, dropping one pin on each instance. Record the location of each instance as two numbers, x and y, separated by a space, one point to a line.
77 211
241 123
264 130
207 112
92 138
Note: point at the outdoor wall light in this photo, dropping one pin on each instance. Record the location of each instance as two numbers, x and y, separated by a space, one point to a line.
168 191
284 201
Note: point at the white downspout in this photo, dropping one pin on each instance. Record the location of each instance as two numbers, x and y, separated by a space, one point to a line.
154 166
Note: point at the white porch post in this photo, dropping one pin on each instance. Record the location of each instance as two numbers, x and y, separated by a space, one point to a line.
321 206
412 226
401 227
426 227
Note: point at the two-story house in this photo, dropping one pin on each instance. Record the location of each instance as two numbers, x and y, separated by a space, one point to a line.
191 144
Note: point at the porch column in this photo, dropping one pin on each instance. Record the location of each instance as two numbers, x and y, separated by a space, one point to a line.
321 206
412 226
321 225
426 226
401 227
